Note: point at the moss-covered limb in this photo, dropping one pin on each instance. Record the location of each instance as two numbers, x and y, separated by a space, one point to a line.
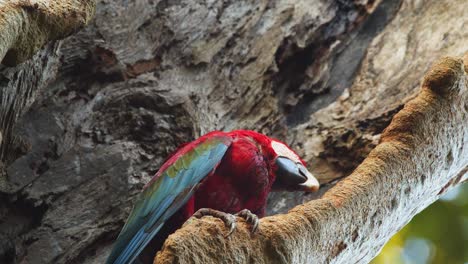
422 154
26 28
26 25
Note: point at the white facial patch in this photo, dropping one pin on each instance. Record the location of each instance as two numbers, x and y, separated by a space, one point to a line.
283 151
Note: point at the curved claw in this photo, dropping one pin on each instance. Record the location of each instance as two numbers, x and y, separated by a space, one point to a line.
228 219
250 218
232 224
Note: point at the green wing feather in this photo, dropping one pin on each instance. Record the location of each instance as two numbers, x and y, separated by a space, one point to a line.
169 190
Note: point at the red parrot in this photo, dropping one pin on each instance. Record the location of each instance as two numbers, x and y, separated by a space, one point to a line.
219 174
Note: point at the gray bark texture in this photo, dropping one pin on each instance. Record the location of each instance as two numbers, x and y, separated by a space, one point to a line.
421 154
87 120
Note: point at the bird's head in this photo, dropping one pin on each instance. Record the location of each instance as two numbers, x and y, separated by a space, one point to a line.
286 167
290 171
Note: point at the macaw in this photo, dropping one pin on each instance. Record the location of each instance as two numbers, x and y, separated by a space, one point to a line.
218 174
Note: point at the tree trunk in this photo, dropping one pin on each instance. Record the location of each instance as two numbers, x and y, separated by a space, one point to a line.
354 219
88 120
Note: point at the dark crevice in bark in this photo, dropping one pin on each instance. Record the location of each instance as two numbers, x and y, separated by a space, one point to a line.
346 148
375 126
18 217
345 64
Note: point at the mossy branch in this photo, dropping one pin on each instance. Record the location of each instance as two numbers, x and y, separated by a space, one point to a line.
27 25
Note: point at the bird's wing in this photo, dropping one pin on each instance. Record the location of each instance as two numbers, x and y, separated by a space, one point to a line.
169 190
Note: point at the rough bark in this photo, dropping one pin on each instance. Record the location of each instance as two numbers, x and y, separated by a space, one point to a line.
27 26
111 101
421 154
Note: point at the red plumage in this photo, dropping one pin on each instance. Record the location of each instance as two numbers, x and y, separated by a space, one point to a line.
242 180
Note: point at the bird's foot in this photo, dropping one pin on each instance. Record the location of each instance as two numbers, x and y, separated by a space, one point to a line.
250 218
230 220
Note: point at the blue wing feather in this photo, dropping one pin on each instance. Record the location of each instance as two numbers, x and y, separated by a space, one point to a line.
167 194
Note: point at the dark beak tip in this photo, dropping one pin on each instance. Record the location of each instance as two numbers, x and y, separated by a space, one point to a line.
290 173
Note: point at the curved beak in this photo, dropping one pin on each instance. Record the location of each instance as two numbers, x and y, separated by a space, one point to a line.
294 175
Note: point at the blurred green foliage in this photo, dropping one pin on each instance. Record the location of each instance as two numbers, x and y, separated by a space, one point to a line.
437 235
